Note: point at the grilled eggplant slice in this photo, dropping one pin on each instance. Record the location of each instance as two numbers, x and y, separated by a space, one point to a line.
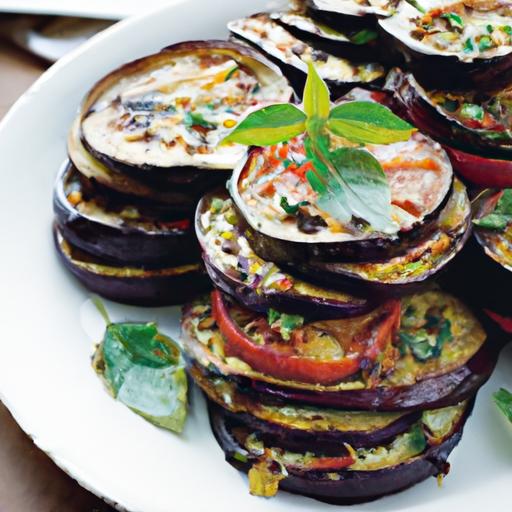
260 285
455 45
410 272
356 45
159 119
350 13
294 426
119 230
180 198
457 363
410 458
133 285
420 177
292 55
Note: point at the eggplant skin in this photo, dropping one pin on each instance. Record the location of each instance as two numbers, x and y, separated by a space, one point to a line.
125 245
432 393
340 21
152 288
293 303
324 442
352 486
449 73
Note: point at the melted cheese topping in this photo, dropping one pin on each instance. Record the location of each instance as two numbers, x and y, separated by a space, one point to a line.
418 171
176 114
273 39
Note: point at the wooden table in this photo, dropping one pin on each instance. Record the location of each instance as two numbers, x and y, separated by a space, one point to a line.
29 480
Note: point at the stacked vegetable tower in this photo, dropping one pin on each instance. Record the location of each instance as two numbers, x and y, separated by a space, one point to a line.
143 149
333 366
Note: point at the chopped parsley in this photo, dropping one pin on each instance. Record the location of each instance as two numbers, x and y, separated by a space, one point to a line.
197 119
291 209
485 43
453 19
285 323
468 46
501 216
472 111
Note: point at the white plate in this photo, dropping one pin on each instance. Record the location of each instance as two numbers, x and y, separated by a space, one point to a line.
106 9
48 326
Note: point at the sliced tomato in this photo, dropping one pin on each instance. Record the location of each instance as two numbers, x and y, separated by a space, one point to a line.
505 322
280 361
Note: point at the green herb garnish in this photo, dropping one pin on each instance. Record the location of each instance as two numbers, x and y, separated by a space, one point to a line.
453 19
285 323
468 46
349 181
363 36
472 111
144 370
291 209
485 43
230 73
426 343
501 216
197 119
503 399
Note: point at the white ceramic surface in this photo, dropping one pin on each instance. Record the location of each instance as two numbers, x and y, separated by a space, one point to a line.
48 326
106 9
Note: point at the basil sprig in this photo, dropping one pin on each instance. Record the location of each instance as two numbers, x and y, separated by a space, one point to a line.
145 371
349 181
503 399
501 216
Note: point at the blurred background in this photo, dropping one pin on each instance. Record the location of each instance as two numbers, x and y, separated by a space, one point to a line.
33 35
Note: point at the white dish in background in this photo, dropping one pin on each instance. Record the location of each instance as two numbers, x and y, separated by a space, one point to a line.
105 9
48 326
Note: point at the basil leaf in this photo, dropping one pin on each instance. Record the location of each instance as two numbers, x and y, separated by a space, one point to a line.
317 102
269 125
366 122
144 370
503 399
365 187
501 216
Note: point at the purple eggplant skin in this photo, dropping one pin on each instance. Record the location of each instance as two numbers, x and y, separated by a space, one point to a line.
339 21
328 443
297 77
179 177
123 245
430 121
258 300
353 486
450 74
337 277
314 308
344 49
149 290
432 393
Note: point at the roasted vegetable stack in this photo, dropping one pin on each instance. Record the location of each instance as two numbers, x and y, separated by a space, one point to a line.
142 150
333 365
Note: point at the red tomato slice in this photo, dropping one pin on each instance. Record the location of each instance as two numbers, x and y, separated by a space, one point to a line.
283 364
